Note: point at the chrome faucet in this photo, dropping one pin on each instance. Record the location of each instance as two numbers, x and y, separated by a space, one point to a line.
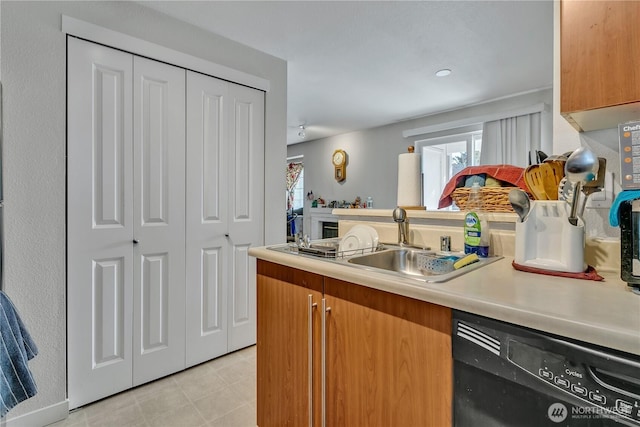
400 217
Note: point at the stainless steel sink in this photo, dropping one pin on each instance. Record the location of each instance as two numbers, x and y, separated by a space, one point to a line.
400 260
390 259
404 262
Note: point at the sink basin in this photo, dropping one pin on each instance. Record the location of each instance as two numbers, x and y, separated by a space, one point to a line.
404 262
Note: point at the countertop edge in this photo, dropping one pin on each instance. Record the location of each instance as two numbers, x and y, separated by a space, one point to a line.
472 292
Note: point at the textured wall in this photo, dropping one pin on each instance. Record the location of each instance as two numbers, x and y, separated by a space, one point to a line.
33 50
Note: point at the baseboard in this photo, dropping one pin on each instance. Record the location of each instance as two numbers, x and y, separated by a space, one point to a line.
40 417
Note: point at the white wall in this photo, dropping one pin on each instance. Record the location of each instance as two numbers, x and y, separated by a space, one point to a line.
373 154
33 76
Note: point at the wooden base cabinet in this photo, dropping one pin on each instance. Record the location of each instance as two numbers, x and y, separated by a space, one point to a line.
287 346
381 360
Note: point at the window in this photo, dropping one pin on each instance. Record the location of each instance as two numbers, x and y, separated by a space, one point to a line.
295 183
442 158
298 192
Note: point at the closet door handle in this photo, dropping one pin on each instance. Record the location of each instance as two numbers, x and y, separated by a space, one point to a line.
311 306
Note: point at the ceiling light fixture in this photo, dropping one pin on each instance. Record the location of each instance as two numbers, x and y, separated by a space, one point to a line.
301 132
443 73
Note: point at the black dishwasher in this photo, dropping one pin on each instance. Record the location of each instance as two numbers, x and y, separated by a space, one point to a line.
507 375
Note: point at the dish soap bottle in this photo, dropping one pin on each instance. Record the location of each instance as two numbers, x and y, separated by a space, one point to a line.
476 226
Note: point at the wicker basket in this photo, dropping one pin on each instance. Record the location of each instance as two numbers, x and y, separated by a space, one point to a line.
495 199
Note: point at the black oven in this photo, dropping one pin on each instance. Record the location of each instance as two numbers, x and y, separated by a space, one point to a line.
506 376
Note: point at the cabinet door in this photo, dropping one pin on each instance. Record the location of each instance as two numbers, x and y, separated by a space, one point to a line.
99 221
246 209
600 44
207 217
159 219
288 333
388 359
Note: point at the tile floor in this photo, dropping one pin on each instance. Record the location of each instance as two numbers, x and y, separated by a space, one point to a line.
219 393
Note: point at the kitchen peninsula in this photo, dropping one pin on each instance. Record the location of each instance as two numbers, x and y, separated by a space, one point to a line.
368 326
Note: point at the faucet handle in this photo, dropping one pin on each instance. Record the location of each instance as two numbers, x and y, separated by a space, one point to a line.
445 243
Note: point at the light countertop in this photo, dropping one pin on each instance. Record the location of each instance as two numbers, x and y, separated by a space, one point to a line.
605 313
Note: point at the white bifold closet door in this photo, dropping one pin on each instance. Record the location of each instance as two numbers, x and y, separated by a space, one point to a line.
126 220
225 197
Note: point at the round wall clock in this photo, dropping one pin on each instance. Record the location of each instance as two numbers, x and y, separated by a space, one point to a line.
339 160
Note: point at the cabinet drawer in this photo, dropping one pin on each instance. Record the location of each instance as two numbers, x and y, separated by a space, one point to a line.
290 275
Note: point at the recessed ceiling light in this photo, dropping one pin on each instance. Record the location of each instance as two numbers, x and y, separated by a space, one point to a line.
443 73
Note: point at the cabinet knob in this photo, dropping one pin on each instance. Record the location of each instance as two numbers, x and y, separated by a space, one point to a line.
136 241
226 234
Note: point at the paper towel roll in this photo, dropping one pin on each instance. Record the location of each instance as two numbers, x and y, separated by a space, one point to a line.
409 180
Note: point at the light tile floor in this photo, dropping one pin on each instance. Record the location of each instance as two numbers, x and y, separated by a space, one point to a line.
219 393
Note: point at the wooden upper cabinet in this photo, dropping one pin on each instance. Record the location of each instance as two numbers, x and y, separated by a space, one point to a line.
599 50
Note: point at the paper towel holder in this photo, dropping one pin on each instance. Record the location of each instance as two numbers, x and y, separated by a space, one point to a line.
413 201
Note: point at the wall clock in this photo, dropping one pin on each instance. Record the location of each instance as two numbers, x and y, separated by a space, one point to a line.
339 160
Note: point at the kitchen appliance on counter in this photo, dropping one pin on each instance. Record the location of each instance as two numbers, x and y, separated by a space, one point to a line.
629 215
507 375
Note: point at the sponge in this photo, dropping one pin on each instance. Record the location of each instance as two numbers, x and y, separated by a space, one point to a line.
469 259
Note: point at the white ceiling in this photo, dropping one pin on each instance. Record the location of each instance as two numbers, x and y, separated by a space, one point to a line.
360 64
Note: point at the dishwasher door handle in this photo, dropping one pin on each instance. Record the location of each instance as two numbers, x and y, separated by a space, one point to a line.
614 381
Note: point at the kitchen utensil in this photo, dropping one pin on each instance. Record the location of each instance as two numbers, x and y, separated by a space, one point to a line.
565 190
520 202
549 181
557 170
596 185
534 180
581 166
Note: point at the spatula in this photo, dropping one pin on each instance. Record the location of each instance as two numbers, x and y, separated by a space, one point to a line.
534 179
549 181
557 166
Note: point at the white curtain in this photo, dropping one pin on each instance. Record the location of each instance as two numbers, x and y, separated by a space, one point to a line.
510 140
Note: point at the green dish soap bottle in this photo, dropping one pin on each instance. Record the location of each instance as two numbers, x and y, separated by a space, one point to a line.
476 227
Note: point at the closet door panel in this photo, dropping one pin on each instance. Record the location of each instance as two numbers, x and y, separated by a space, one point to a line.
159 222
246 192
99 222
207 217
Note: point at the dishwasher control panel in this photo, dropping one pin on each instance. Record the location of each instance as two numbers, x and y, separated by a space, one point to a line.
606 393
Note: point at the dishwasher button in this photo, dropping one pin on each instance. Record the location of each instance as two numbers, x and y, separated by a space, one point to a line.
598 398
624 407
578 389
562 382
546 374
